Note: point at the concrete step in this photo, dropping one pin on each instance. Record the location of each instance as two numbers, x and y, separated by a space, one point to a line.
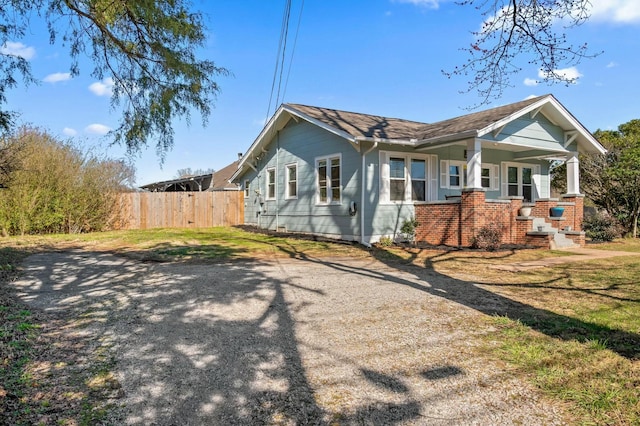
559 240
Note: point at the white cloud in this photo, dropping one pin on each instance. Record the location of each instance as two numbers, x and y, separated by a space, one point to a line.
531 97
13 48
612 64
530 82
619 11
56 77
433 4
97 129
570 73
102 88
68 131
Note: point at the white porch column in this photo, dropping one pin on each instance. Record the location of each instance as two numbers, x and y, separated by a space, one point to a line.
474 163
573 174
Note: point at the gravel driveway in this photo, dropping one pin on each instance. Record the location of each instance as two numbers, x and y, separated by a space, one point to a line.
296 341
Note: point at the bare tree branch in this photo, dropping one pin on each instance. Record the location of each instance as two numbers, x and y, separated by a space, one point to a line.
516 29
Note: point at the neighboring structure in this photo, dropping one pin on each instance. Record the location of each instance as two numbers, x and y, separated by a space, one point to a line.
360 177
222 177
216 181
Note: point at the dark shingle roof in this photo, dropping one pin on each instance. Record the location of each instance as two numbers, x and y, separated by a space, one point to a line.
474 121
365 125
222 176
373 126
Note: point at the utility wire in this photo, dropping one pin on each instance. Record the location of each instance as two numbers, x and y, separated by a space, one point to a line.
284 49
293 50
281 46
281 58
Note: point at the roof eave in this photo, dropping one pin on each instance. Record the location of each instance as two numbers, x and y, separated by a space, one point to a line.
423 143
267 131
586 136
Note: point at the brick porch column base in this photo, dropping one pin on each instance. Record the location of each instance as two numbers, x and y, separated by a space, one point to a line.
471 203
578 214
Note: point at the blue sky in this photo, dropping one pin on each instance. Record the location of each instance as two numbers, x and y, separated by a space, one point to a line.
380 57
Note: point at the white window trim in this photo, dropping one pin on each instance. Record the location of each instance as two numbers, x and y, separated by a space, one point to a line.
494 174
405 178
431 189
275 183
328 159
247 186
535 179
445 175
287 195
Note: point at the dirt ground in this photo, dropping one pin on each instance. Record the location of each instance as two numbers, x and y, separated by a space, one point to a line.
296 341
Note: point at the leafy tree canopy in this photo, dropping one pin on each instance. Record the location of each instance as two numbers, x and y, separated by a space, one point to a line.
147 47
531 29
612 180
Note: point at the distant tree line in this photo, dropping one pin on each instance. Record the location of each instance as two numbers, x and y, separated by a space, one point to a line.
186 172
54 186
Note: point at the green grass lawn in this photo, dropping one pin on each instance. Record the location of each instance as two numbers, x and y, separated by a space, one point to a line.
205 244
577 336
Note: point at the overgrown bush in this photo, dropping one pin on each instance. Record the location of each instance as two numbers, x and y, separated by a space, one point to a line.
489 238
601 227
56 187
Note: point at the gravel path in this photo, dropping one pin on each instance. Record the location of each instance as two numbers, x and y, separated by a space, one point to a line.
303 341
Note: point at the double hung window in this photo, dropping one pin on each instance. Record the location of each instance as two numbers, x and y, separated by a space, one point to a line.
271 183
328 178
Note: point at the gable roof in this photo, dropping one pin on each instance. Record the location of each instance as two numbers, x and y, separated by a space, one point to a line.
362 125
356 127
475 121
222 177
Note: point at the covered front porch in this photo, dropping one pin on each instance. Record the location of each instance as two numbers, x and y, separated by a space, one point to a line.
456 222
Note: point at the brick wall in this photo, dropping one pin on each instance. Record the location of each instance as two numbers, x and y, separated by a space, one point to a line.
577 212
456 223
438 223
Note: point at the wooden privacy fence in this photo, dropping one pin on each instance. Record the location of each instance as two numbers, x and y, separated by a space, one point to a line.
143 210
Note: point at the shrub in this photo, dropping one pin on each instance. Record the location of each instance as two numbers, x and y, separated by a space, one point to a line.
408 229
489 238
55 186
386 241
601 227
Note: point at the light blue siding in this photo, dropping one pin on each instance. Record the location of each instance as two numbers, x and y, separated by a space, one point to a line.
301 143
535 133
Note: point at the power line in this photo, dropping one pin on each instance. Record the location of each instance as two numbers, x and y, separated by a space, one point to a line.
281 57
293 51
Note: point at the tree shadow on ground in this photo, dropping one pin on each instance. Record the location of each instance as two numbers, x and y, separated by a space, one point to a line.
476 295
473 295
204 362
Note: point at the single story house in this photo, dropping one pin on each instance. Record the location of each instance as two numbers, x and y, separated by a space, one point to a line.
359 177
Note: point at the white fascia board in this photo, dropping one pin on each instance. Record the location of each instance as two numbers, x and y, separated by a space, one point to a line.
575 124
570 120
259 140
237 174
446 139
407 142
522 145
501 123
320 124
